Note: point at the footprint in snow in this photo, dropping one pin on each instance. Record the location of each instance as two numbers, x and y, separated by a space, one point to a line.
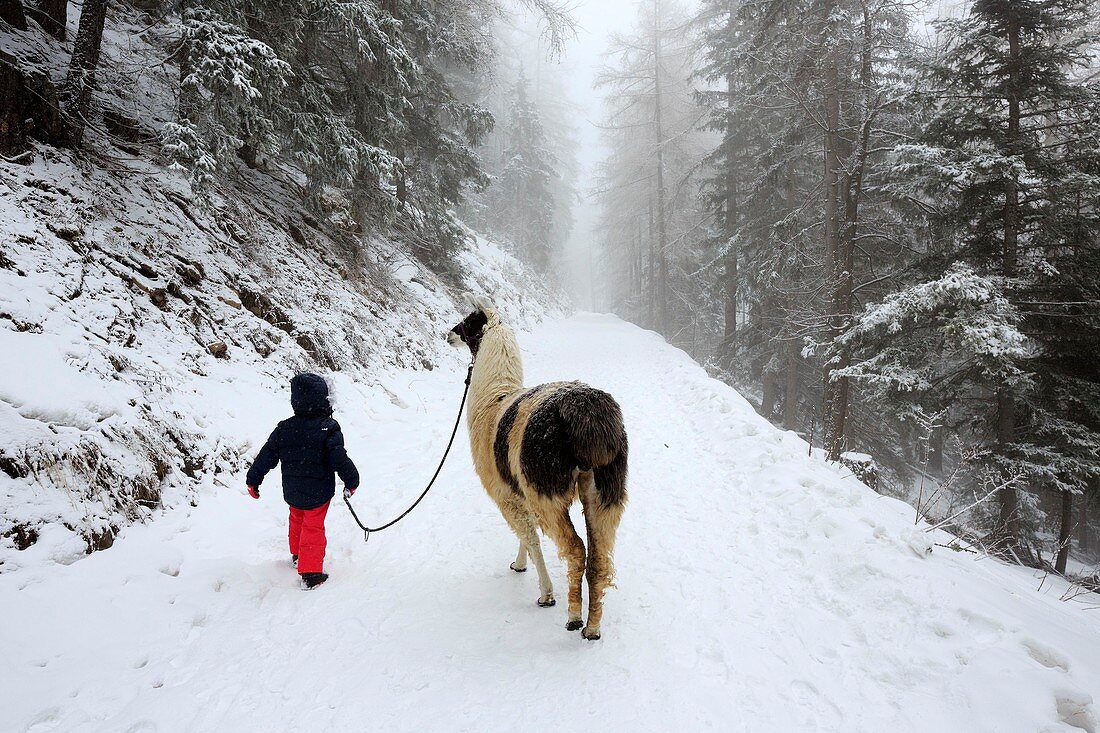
45 720
1075 709
983 629
144 726
942 630
789 553
1046 655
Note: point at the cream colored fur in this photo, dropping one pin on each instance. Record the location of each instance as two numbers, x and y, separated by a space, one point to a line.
496 382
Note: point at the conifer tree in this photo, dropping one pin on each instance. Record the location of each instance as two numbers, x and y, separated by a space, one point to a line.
651 220
521 206
1007 169
359 95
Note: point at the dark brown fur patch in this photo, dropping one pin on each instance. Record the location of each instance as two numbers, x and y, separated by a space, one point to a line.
546 453
576 427
611 479
500 442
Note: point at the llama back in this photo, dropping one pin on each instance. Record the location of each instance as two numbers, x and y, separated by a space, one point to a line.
594 423
570 427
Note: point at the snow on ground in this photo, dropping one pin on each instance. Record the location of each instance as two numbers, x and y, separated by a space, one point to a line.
758 590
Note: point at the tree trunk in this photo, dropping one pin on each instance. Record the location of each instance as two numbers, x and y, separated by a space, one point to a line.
52 15
402 185
662 290
28 108
767 399
935 451
1008 520
77 93
728 347
652 282
790 398
13 93
188 103
1065 533
12 12
832 410
1083 524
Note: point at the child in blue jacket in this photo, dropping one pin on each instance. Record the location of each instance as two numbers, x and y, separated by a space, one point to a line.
311 448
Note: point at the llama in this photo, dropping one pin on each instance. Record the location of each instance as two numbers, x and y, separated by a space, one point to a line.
535 451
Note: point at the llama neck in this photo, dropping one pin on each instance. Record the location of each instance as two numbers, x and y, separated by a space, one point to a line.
498 368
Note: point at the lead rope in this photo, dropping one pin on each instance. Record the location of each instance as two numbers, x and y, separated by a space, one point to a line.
367 530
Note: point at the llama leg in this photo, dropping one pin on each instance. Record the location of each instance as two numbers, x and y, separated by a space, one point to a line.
523 524
601 521
520 565
546 588
571 549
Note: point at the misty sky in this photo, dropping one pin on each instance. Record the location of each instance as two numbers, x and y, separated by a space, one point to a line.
597 20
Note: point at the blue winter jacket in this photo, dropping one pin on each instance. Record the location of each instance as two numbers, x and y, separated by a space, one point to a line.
310 447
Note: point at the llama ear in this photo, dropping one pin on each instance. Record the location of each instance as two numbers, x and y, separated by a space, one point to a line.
468 301
484 305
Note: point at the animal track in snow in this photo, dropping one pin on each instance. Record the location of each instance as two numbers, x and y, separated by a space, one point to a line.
942 630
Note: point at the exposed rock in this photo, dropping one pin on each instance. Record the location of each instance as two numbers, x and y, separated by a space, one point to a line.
296 234
24 536
218 349
67 230
863 467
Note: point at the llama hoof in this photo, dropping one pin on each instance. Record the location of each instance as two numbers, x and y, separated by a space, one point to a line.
573 625
518 570
547 603
590 634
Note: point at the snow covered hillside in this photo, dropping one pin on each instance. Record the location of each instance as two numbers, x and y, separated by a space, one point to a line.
140 332
758 590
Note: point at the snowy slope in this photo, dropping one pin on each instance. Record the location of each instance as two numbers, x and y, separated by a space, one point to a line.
140 328
758 590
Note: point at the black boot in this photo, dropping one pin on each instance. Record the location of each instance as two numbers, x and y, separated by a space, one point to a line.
294 560
312 580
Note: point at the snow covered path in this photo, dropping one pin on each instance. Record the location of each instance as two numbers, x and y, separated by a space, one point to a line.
757 591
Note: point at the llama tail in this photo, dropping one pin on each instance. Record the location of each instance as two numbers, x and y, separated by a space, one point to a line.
594 423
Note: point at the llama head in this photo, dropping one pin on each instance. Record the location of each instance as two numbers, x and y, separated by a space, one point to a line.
470 330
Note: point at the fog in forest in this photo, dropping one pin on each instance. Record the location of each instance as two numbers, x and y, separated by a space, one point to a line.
876 219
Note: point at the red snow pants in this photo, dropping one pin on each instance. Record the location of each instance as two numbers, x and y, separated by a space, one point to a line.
307 537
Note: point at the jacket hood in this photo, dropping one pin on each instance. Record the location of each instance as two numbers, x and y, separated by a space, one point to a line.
309 395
